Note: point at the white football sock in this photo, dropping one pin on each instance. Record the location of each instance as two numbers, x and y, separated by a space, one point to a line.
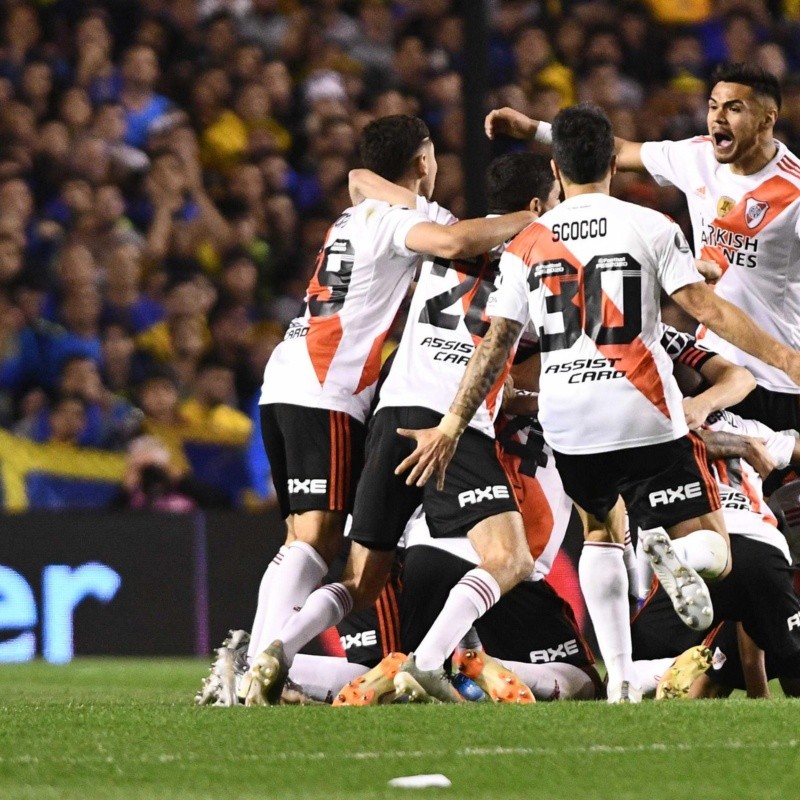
468 600
554 681
267 581
648 673
644 568
328 606
629 558
604 584
289 585
321 677
703 551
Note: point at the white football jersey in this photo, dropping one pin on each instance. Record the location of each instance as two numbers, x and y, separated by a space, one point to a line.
740 492
589 274
446 322
749 225
330 356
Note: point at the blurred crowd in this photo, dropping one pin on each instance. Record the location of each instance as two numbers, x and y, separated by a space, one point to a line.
169 168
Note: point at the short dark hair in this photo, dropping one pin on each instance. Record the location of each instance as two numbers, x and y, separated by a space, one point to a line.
388 144
583 143
513 180
759 80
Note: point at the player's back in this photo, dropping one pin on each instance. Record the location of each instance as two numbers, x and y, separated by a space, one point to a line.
446 321
597 268
330 356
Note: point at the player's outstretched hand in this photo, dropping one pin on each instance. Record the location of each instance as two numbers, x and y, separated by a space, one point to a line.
431 456
510 122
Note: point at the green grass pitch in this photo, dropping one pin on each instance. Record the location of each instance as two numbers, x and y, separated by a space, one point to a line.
123 729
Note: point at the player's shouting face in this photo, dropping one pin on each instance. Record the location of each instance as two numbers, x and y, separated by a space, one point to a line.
738 120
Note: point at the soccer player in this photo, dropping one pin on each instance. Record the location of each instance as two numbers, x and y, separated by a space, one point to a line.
445 321
319 382
758 593
589 274
743 190
531 631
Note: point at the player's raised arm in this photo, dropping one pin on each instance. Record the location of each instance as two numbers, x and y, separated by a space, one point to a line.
364 183
467 238
435 446
510 122
732 324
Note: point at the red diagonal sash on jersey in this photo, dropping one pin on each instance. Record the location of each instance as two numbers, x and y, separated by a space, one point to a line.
372 366
777 194
322 341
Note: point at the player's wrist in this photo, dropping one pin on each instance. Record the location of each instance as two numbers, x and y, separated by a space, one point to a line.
544 133
452 425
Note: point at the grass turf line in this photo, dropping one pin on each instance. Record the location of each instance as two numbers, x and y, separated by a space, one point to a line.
125 730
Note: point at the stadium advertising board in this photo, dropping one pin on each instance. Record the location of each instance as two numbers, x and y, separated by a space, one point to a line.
127 584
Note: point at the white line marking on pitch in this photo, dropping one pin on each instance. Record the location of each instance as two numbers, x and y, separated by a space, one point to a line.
467 752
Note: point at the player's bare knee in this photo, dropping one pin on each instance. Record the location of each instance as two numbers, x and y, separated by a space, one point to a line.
508 565
524 564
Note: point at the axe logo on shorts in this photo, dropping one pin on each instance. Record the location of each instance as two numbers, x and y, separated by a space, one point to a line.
307 485
665 497
360 639
563 650
472 496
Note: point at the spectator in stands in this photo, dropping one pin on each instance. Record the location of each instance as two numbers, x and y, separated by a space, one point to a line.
122 369
193 155
232 334
80 315
143 107
66 421
213 404
124 300
110 419
150 483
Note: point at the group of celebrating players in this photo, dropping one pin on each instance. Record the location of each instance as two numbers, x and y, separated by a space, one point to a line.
534 374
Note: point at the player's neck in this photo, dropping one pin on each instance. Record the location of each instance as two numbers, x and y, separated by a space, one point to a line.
412 184
755 159
575 189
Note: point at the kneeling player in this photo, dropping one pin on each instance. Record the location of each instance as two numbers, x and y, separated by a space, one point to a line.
759 591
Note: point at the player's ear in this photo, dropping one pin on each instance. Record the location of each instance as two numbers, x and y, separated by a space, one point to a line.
421 164
535 206
613 165
770 117
554 167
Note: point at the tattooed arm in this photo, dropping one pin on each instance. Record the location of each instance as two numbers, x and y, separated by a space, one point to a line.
723 445
435 446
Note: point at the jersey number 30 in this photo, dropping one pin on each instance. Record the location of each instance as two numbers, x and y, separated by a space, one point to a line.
581 308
